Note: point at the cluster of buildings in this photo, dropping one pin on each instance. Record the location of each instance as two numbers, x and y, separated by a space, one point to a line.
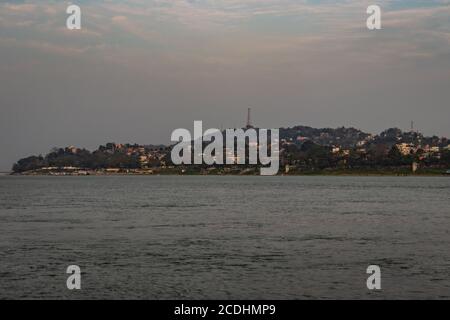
423 151
147 155
343 141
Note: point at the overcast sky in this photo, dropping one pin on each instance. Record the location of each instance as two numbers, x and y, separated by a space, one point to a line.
139 69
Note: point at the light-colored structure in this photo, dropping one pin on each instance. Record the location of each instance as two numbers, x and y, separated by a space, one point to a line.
405 148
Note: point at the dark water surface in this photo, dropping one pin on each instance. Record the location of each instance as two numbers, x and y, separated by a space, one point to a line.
170 237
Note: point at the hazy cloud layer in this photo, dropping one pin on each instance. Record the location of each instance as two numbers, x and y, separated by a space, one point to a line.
138 69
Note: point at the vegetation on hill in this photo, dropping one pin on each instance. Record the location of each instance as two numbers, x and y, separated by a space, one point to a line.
302 148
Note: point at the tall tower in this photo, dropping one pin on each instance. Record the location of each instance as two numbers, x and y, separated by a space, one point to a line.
249 125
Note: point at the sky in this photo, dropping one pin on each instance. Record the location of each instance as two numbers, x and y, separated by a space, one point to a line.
139 69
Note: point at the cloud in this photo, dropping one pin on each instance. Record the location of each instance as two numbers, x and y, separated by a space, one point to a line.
224 33
20 8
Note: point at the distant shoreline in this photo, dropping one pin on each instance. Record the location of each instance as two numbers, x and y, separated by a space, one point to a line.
335 173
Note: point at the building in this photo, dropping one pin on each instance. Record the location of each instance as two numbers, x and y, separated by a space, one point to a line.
405 148
72 149
361 143
435 149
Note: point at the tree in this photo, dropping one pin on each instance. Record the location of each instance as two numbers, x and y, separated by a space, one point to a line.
395 157
29 163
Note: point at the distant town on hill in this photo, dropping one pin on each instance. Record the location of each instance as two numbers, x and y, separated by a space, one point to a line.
303 150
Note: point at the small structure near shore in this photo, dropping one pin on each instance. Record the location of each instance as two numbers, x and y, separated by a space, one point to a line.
414 167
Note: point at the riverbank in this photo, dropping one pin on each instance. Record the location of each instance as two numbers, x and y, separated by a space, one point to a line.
241 172
375 172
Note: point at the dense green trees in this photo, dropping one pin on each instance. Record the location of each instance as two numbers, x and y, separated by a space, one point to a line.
29 163
304 155
99 159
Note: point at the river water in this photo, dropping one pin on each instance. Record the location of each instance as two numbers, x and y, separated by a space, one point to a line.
224 237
